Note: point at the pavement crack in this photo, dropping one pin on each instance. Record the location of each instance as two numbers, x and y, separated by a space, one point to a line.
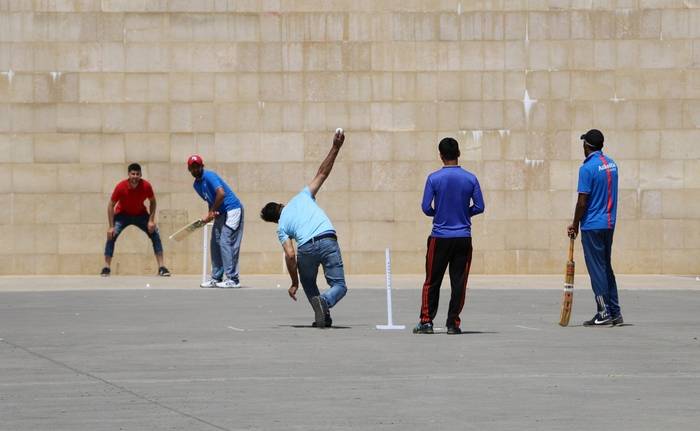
113 385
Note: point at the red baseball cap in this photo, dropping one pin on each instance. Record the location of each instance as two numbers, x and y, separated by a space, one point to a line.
194 158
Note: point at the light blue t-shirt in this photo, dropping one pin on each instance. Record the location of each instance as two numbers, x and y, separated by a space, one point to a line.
302 219
206 188
597 178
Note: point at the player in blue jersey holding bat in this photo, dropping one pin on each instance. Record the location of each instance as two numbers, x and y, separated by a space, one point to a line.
227 212
596 214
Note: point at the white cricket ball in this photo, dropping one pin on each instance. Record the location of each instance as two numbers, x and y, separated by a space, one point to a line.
278 286
339 131
148 285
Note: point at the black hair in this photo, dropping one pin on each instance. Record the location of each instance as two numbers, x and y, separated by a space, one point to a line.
271 212
134 167
593 139
449 149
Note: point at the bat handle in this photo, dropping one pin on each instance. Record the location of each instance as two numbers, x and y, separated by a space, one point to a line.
571 249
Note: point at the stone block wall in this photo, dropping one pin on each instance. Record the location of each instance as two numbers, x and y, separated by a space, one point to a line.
257 88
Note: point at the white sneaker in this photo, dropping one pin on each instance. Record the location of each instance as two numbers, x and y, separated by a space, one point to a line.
228 284
209 283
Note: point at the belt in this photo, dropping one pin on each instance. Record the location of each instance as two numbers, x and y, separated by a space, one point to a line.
330 235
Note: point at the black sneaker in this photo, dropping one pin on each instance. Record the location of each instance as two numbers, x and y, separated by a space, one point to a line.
329 322
617 320
163 272
320 310
105 272
597 320
423 328
451 330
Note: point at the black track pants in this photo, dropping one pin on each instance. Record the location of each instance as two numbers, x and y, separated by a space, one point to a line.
457 253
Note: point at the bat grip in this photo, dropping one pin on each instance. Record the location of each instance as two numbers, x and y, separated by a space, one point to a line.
571 249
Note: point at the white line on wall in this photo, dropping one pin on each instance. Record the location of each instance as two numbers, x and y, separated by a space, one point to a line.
534 163
616 99
527 31
528 103
9 74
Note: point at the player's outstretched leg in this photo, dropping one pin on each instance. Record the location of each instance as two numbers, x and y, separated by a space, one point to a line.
120 222
333 269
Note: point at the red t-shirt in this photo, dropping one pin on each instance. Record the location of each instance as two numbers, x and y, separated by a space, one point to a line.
130 201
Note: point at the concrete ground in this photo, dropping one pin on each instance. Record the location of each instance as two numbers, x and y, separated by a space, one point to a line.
86 353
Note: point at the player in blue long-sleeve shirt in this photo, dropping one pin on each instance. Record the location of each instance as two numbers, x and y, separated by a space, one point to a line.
448 198
452 196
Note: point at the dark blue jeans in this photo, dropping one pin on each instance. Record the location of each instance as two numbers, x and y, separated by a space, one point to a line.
326 253
597 249
121 221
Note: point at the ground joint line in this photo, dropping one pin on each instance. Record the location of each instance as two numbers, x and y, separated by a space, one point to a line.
114 385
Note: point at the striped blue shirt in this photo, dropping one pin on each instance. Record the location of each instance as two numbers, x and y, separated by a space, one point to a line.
597 178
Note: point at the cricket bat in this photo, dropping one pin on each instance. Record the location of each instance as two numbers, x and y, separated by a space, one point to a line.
186 230
567 299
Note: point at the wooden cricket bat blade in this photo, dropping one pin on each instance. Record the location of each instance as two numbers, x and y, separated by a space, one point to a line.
184 231
567 299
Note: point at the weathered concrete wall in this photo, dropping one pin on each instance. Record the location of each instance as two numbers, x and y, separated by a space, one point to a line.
257 87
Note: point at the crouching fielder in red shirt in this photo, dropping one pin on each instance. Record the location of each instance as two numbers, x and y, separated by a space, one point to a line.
126 208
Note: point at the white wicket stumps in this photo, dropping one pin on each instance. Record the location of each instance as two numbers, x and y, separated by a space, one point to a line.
390 319
205 250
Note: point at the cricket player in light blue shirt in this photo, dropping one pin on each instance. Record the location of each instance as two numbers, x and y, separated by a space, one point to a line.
304 222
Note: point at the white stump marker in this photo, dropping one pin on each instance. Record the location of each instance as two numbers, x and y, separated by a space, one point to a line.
205 251
390 319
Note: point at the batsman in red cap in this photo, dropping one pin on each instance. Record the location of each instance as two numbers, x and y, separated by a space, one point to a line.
226 210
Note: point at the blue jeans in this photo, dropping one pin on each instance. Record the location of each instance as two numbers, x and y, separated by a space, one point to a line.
324 252
597 249
121 221
225 248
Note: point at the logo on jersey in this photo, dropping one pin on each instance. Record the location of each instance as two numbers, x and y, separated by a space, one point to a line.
607 166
